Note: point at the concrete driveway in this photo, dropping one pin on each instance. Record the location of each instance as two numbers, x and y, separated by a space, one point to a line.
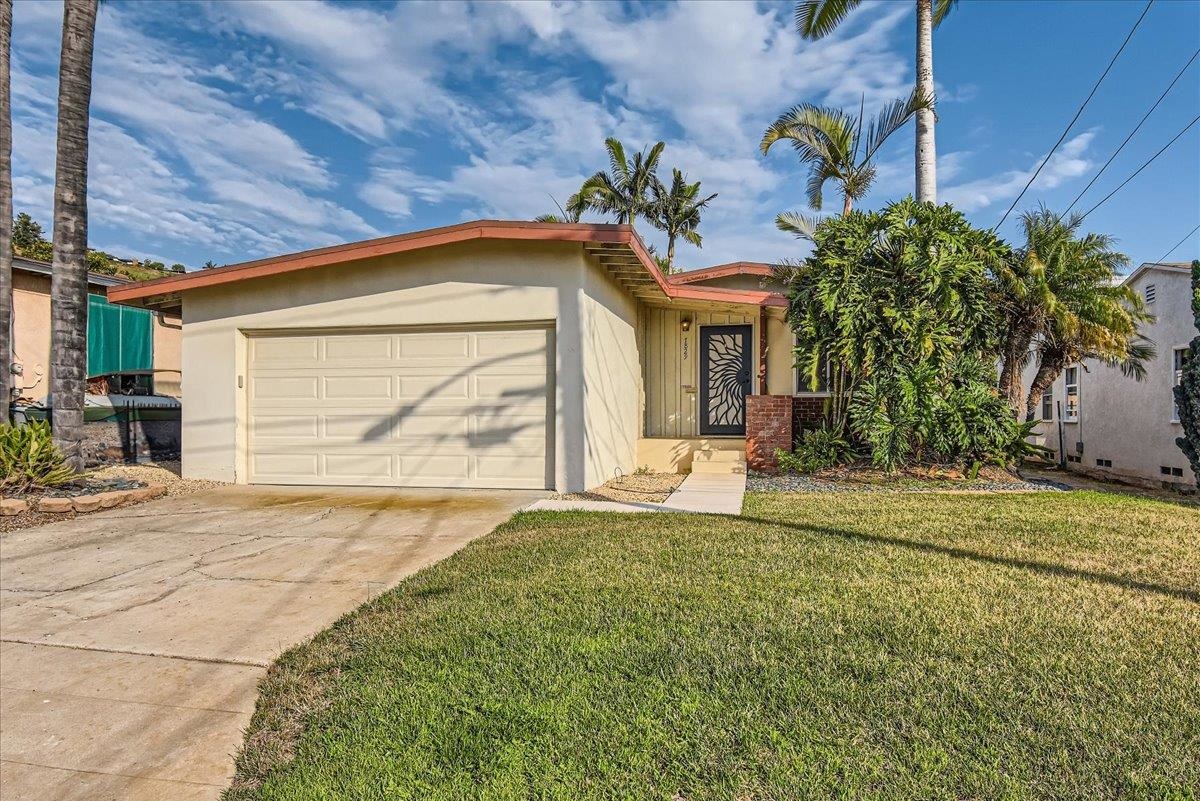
132 641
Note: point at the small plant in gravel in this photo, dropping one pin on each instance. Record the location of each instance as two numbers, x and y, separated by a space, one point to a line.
29 459
816 450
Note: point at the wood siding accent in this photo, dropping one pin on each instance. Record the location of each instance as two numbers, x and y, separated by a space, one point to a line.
671 359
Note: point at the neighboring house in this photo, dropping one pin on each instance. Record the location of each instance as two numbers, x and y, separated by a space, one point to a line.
1113 425
486 354
120 339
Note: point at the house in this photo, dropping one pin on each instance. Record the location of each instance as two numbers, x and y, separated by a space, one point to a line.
485 354
1112 425
120 339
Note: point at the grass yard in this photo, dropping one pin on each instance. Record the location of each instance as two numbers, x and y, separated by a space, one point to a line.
823 646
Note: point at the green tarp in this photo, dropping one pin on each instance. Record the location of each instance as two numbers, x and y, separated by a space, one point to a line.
119 338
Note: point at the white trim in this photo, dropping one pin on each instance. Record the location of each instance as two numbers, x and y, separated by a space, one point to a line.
1069 415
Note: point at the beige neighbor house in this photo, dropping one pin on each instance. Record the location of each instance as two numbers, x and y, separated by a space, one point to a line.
1112 425
486 354
119 339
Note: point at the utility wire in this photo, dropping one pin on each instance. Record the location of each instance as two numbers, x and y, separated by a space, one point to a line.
1163 257
1144 166
1075 119
1131 133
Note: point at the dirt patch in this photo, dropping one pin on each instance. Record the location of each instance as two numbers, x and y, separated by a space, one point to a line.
165 473
639 487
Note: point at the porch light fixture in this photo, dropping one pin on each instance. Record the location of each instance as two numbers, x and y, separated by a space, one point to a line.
686 323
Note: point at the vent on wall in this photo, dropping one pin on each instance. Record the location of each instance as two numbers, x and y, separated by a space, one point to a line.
1074 459
1151 293
1104 463
1171 471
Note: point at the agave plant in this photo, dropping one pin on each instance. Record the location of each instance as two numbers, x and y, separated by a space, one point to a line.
29 459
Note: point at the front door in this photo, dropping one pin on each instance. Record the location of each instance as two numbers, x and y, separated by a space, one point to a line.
724 378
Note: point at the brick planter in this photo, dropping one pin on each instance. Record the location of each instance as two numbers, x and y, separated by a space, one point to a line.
808 413
768 427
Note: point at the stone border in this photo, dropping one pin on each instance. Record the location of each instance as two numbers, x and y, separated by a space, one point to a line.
82 503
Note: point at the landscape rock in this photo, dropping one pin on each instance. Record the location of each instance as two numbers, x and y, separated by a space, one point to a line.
110 499
58 505
13 506
86 503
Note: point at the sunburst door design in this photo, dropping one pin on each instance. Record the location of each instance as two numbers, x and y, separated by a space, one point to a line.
724 378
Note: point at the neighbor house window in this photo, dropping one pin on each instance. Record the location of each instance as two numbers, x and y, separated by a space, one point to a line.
1071 412
1048 404
804 386
1178 360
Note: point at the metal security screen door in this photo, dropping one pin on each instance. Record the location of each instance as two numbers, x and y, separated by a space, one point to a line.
724 378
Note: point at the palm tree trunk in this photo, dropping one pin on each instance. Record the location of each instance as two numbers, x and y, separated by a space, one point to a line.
926 117
847 205
1050 367
6 211
68 286
1012 354
670 253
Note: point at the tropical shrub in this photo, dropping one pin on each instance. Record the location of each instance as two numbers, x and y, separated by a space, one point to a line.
816 450
1187 394
29 459
899 304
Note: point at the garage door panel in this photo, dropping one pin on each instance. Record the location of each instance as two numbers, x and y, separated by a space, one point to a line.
378 387
359 349
285 426
359 465
431 408
435 346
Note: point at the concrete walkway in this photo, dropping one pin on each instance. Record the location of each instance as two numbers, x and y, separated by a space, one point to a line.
132 641
710 493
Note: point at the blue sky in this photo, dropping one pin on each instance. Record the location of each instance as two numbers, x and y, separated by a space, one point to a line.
230 131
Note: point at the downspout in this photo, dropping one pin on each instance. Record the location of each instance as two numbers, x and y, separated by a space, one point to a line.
762 350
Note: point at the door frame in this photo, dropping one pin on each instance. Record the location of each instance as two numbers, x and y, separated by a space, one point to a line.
702 424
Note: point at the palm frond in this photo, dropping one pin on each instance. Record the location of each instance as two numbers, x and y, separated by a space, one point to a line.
799 225
941 9
818 18
892 118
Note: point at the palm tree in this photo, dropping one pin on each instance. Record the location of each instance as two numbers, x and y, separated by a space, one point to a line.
832 144
676 211
817 18
1059 290
68 285
563 216
625 192
6 210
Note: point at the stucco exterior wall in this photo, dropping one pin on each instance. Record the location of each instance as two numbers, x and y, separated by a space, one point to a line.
1128 422
31 339
741 281
31 334
551 284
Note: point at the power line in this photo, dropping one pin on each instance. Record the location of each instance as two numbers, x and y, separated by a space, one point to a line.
1144 166
1163 257
1075 119
1131 133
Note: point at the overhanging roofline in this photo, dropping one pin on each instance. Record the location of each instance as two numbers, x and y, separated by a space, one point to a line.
162 292
722 270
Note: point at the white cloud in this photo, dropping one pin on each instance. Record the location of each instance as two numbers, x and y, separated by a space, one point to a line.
1068 162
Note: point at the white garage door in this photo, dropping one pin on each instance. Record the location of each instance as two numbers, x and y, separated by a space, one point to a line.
441 408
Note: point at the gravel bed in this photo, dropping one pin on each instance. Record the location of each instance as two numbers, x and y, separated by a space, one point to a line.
762 482
165 473
636 487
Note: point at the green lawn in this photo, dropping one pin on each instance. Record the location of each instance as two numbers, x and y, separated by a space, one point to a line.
823 646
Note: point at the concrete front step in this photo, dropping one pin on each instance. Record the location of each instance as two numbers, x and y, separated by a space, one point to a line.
719 468
738 456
